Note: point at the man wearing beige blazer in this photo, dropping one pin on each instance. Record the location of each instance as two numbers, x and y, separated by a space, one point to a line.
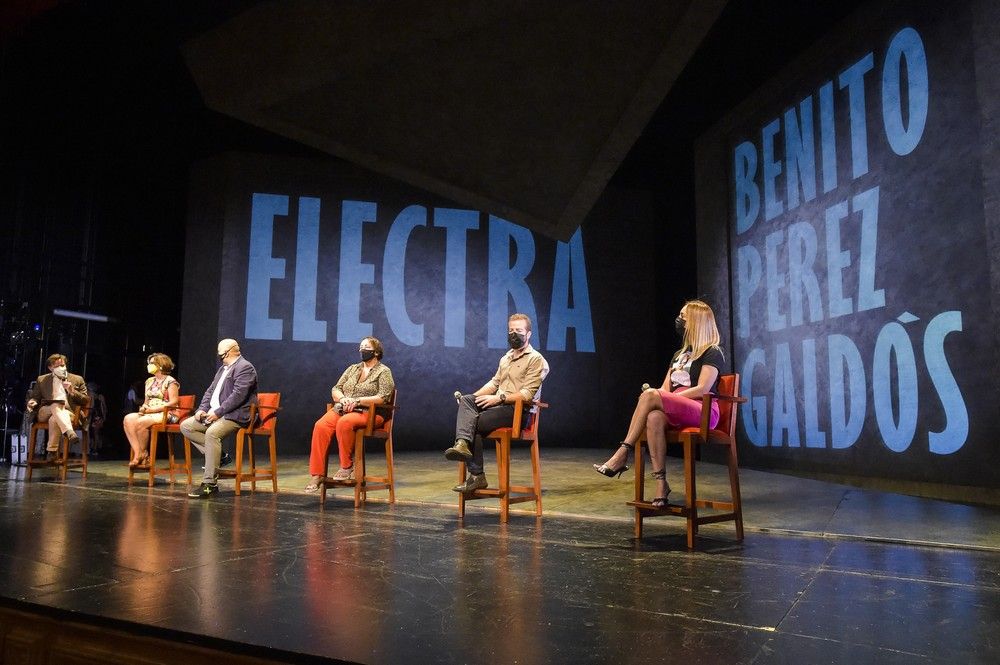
56 394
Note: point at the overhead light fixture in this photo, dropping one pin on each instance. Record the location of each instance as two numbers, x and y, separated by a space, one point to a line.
86 316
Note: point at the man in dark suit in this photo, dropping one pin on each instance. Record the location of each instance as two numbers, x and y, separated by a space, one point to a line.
57 393
224 408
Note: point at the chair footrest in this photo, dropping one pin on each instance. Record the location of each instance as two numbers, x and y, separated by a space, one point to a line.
647 508
522 498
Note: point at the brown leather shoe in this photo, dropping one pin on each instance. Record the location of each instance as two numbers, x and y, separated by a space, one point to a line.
475 481
51 455
459 452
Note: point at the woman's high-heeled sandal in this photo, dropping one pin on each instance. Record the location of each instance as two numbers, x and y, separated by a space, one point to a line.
606 470
660 501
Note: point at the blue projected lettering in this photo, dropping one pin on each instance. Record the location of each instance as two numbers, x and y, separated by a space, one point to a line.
954 434
847 400
353 273
263 267
755 417
457 224
800 154
509 282
905 45
747 196
570 276
894 342
772 169
853 79
305 326
393 284
783 271
509 266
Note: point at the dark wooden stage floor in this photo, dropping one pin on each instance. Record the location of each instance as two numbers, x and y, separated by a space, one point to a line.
278 576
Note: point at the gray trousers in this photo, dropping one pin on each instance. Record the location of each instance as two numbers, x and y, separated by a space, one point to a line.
208 440
472 422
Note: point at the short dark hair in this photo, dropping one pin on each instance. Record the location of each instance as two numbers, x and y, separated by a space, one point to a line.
56 357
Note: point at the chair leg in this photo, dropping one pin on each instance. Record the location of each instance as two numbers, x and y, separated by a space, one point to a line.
691 495
273 446
253 464
64 445
461 496
359 468
322 483
153 436
536 476
84 447
640 489
734 485
32 442
171 463
240 436
503 459
187 459
389 470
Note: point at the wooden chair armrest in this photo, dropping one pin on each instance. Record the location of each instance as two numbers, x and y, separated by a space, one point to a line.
735 399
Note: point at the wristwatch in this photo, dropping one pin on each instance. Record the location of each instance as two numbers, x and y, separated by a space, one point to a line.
503 397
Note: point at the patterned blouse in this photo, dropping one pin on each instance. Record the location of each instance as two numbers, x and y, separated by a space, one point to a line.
156 394
378 382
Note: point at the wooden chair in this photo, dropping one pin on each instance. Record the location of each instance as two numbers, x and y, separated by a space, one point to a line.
363 482
724 434
508 493
263 422
184 408
81 416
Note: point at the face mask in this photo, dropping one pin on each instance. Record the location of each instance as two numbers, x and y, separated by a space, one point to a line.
367 354
60 372
680 325
152 369
515 339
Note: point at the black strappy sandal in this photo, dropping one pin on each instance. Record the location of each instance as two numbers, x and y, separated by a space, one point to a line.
660 502
606 470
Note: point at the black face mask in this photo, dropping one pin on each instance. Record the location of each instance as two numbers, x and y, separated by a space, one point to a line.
366 355
516 340
680 325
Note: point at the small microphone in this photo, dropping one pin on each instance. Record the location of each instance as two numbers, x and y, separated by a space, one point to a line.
458 397
645 387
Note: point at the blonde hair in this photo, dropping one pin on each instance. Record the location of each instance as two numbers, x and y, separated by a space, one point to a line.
700 331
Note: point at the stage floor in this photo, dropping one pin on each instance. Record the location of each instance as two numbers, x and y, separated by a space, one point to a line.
827 573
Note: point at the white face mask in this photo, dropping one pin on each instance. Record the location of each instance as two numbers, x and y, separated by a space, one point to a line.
60 372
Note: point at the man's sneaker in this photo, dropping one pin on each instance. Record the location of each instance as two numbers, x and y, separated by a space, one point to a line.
475 481
459 452
204 491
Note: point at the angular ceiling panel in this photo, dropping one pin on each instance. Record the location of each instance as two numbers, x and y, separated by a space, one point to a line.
524 109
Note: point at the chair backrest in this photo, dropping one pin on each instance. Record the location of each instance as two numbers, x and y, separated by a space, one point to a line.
185 406
267 411
388 413
729 385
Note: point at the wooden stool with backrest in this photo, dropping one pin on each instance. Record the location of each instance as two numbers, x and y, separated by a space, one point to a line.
724 434
364 482
263 422
503 437
81 418
184 408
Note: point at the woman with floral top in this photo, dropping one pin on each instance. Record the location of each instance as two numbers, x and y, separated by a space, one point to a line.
162 394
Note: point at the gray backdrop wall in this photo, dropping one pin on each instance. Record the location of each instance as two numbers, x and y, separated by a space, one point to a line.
300 259
847 229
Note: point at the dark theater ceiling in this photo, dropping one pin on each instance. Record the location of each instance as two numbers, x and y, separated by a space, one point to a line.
525 109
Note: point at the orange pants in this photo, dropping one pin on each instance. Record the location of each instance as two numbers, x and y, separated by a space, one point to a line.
323 431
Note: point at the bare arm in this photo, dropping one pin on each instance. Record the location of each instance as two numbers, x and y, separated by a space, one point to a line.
706 379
